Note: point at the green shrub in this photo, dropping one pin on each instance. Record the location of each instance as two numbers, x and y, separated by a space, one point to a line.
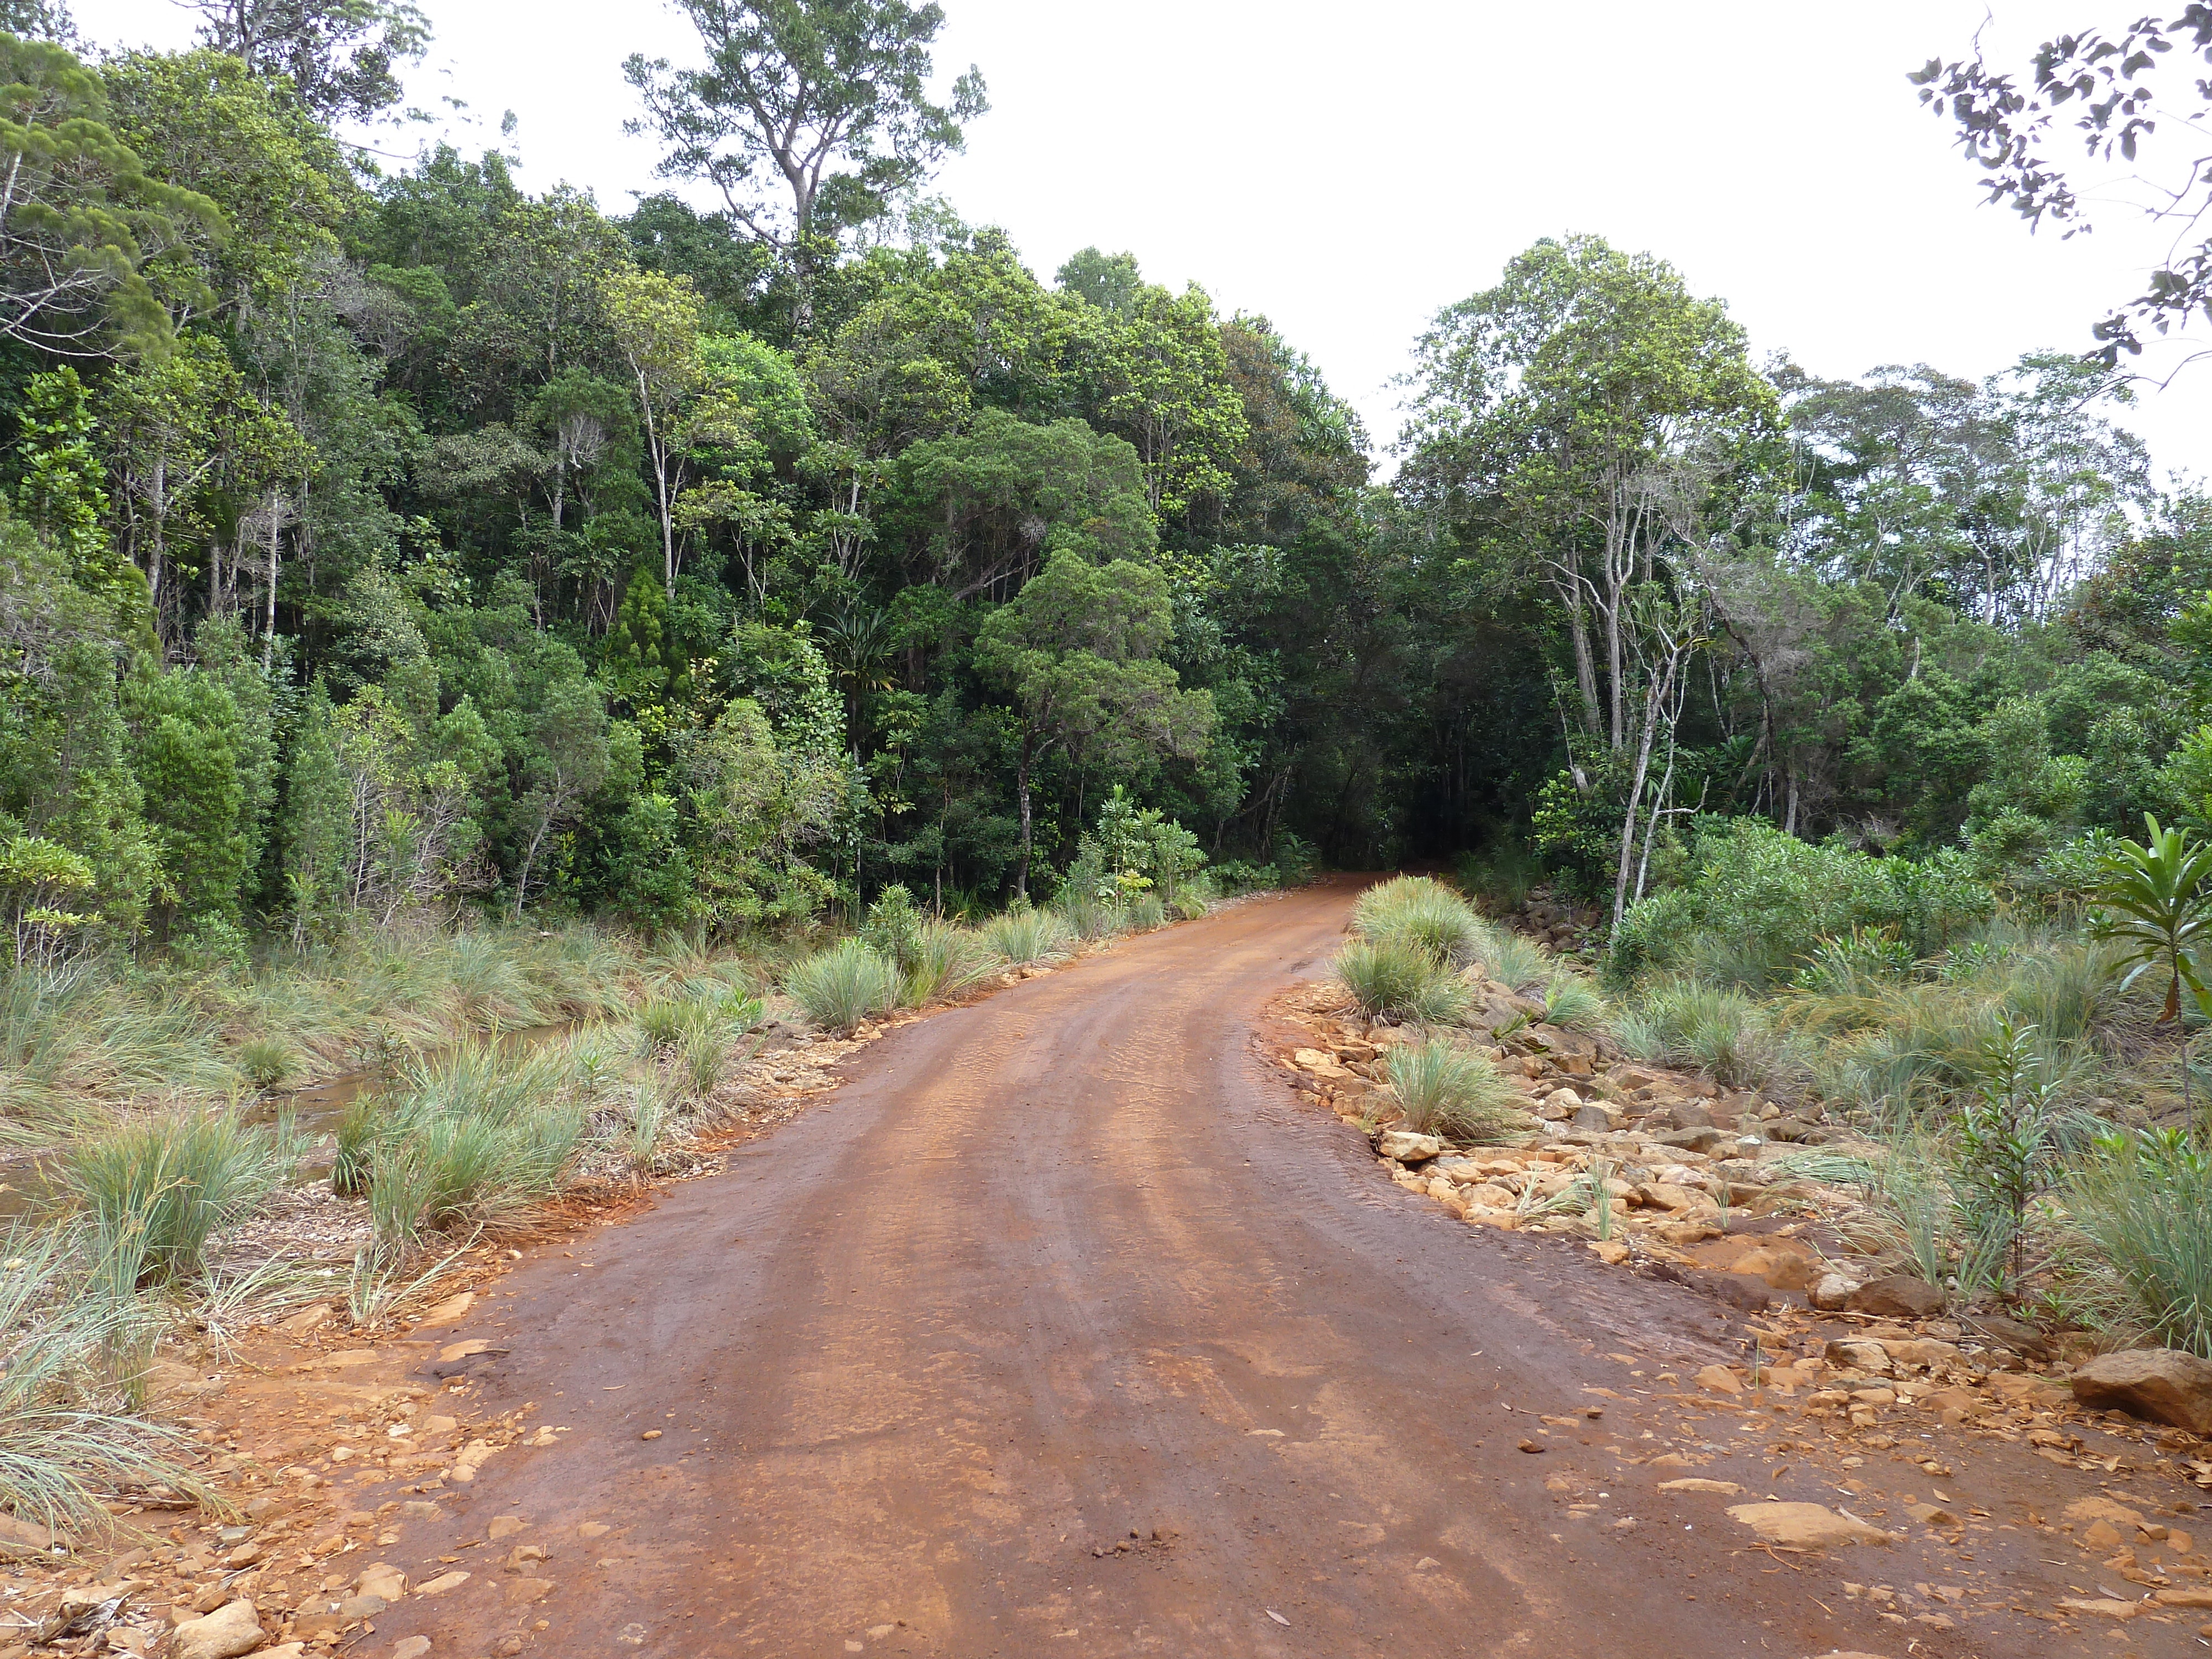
1392 979
893 926
1191 906
155 1190
1758 901
1146 912
842 986
1443 1090
1023 937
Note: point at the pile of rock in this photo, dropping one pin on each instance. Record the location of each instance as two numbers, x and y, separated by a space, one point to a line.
1551 917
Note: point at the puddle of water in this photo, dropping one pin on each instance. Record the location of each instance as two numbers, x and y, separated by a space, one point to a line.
315 1107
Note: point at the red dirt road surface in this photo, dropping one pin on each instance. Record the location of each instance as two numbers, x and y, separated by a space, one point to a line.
1066 1328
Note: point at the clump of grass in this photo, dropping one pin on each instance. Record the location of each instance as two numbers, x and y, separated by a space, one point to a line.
64 1446
2144 1203
1720 1031
842 986
1146 912
356 1134
649 1114
1455 1092
1426 913
155 1190
471 1134
946 961
1089 918
1515 960
1190 906
1023 937
660 1022
1395 979
268 1062
1572 1002
705 1054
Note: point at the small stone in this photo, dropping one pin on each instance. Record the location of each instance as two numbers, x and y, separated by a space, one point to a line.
504 1526
454 1351
1407 1147
2190 1597
2098 1607
1720 1379
225 1633
1724 1488
437 1423
2161 1384
1929 1515
650 1434
450 1310
1833 1293
591 1529
1897 1296
440 1584
528 1590
410 1647
1611 1251
1807 1526
2101 1535
418 1509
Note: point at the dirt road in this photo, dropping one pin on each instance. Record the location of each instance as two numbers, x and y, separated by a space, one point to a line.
1068 1270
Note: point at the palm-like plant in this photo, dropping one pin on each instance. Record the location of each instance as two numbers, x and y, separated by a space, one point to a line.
2155 900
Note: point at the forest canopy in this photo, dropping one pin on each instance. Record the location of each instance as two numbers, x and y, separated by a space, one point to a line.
390 542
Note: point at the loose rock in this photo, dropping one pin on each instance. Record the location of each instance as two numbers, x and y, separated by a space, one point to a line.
223 1634
2159 1384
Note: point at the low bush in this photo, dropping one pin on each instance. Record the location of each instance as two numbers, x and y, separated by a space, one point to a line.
268 1062
1759 902
1392 979
1090 918
155 1190
1455 1092
1146 912
840 987
1023 937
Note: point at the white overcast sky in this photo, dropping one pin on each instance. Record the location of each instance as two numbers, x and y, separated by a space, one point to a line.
1348 170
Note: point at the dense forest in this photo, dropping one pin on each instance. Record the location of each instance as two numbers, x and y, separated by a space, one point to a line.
384 544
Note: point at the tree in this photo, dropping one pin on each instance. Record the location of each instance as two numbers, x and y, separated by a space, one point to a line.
80 219
1077 651
2113 84
1589 419
340 57
568 764
828 99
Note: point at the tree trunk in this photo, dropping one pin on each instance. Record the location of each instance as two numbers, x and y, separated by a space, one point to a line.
1022 794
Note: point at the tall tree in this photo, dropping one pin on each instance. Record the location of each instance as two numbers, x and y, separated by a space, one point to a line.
80 219
340 57
827 100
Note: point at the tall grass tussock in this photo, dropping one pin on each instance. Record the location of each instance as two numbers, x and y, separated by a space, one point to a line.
1455 1092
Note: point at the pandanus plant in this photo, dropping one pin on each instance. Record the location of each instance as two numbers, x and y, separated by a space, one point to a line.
2155 900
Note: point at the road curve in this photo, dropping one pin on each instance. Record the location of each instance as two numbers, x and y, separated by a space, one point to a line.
1066 1270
